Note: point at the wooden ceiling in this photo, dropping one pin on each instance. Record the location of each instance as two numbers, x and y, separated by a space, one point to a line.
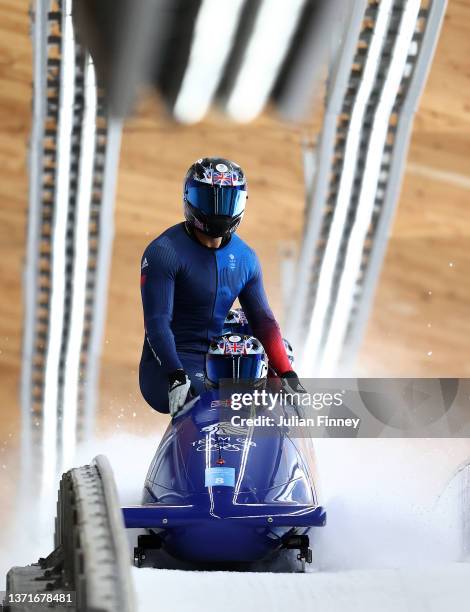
419 325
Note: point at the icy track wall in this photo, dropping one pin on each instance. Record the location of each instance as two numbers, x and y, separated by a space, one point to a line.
391 503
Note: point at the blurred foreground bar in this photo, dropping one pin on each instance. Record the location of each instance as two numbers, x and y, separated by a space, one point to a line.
240 55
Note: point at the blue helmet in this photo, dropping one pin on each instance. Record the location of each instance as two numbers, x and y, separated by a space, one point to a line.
215 193
236 358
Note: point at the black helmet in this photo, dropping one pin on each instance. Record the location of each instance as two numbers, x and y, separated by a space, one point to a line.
215 193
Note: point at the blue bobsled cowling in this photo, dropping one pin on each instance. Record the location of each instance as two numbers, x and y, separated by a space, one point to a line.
218 492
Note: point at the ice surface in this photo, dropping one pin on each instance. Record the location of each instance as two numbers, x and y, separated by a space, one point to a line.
396 531
393 504
433 589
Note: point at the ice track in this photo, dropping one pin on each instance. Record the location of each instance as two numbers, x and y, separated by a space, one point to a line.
433 589
397 538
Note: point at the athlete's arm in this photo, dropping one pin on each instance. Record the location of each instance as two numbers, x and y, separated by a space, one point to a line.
158 271
255 305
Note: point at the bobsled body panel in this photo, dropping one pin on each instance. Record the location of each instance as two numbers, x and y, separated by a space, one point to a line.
219 492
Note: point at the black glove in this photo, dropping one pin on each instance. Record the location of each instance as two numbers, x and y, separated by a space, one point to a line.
179 385
290 383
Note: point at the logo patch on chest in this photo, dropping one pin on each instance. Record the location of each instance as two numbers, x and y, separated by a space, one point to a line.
232 262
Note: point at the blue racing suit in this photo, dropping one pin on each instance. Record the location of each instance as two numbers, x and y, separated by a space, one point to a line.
187 291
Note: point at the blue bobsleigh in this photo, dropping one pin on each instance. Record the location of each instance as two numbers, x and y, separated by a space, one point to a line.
223 489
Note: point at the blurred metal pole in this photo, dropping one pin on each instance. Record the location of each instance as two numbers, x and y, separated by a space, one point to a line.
320 36
126 41
58 307
253 52
100 282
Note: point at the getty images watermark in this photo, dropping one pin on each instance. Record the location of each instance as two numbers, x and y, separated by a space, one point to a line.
353 407
262 399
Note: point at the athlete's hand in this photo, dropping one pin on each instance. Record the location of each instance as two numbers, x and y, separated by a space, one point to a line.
291 384
178 390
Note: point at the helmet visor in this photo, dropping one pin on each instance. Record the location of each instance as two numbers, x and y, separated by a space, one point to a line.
235 368
228 201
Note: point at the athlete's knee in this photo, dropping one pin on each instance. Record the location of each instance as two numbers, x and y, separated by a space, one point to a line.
156 400
158 407
154 390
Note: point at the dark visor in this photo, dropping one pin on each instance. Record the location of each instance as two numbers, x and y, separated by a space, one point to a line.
229 201
247 367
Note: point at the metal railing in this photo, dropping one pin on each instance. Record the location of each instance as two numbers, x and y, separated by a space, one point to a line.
74 152
373 91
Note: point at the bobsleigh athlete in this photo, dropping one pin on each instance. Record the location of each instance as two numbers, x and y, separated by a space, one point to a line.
190 277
